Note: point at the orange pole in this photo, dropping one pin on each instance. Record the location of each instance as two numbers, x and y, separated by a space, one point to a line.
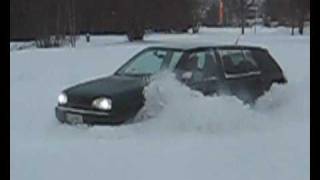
221 12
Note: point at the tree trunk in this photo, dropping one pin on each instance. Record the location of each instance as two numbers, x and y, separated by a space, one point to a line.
135 34
293 24
301 29
242 16
88 37
72 23
301 25
242 28
292 30
136 29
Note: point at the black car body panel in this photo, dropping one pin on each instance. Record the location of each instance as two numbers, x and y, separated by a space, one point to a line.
126 90
121 89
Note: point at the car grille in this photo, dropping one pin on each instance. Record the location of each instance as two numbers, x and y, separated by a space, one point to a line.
83 111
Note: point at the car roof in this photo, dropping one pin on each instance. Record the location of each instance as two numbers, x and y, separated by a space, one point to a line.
186 46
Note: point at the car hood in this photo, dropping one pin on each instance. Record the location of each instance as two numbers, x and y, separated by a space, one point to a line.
120 89
107 86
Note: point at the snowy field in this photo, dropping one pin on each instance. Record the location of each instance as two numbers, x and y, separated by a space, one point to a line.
193 137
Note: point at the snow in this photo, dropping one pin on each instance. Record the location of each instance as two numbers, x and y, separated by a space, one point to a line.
188 136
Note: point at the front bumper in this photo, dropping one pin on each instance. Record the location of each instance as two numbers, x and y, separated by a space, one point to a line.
88 116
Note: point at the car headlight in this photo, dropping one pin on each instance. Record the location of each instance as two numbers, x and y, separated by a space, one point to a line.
102 103
62 98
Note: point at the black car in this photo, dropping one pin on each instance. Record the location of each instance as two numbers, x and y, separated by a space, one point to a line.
243 71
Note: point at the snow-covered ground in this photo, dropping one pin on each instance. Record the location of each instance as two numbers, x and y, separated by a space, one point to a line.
193 137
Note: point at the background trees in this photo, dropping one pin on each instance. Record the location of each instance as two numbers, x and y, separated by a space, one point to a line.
239 8
288 12
53 22
40 19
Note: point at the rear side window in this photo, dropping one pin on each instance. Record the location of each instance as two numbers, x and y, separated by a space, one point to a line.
201 56
192 61
236 61
265 61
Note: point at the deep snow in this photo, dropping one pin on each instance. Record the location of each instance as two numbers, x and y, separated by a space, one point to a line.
189 137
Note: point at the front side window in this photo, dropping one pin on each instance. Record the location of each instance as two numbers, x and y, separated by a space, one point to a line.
238 61
153 60
148 62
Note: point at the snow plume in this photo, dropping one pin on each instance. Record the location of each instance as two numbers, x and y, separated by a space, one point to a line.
286 103
173 107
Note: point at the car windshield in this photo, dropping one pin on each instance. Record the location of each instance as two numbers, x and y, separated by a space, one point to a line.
151 61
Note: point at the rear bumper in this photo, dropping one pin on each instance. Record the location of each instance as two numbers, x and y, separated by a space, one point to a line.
88 116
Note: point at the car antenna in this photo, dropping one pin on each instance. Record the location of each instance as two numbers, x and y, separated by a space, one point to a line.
237 40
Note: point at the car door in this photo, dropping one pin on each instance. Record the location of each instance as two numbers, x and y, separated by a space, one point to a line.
197 69
242 76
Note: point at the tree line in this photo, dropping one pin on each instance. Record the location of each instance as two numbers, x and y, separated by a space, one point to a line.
35 19
44 19
288 12
291 13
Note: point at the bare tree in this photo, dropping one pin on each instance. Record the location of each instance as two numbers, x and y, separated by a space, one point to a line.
303 8
212 15
72 22
43 19
239 8
288 12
